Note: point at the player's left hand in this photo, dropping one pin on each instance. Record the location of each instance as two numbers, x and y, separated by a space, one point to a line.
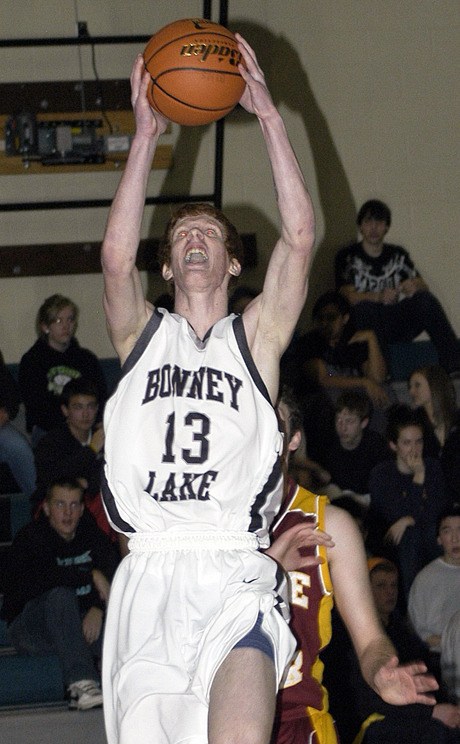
256 97
404 684
286 549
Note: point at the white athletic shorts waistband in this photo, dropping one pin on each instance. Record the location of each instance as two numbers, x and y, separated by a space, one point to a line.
154 542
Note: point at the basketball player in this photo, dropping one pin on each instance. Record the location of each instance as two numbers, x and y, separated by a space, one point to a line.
195 642
340 570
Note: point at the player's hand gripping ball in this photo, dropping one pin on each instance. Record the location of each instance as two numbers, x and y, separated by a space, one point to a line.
193 65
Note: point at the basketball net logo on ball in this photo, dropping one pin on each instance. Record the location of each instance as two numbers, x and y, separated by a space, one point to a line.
193 65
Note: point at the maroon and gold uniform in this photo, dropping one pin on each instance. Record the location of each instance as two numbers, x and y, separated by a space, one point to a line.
302 715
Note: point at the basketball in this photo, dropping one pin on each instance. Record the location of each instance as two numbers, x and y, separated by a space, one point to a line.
193 65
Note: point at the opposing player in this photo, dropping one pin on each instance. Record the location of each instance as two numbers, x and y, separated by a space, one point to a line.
195 642
340 572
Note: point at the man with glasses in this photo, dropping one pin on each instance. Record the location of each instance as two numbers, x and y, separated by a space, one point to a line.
56 587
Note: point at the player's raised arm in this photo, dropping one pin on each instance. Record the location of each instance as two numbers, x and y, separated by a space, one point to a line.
124 303
285 285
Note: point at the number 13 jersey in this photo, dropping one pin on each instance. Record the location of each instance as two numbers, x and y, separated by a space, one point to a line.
192 439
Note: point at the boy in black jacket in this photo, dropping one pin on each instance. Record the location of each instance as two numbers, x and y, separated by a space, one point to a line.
56 588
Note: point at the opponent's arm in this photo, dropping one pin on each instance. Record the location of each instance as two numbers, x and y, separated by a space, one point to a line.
126 309
271 321
396 684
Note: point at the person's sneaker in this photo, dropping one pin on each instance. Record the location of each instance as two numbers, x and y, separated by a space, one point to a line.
84 695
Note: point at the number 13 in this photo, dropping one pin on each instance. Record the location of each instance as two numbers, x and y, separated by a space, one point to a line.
200 432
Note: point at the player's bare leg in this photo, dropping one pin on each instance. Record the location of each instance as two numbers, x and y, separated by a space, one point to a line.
242 699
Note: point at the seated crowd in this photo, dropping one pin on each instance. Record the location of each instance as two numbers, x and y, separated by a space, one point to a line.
394 466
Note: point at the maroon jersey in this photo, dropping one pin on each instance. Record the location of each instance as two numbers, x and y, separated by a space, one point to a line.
302 694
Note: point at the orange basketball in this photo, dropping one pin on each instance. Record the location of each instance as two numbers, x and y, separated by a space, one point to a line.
193 64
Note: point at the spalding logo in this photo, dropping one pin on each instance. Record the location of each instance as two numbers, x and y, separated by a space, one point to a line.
202 51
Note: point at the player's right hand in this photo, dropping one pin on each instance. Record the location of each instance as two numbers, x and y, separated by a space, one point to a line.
148 121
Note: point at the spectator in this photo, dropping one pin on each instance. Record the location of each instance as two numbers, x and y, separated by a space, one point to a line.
407 497
73 448
56 590
54 359
353 702
435 593
387 292
15 450
355 449
334 357
432 391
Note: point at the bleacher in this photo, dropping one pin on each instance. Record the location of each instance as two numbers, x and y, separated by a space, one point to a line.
26 680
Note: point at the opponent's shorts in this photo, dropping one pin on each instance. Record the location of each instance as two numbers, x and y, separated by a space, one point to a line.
175 612
316 728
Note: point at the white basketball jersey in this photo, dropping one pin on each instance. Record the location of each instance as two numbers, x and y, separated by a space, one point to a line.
192 439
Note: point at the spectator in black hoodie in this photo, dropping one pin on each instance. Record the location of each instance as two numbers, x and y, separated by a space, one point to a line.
54 359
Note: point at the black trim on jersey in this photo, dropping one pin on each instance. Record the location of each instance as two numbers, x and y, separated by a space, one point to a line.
110 505
241 340
257 508
142 342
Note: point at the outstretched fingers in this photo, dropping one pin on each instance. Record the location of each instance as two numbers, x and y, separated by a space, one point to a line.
424 682
247 52
406 683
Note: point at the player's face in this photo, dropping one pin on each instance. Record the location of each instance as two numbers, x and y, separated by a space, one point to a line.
198 248
349 428
64 510
373 231
81 413
385 590
60 330
408 446
419 390
449 539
